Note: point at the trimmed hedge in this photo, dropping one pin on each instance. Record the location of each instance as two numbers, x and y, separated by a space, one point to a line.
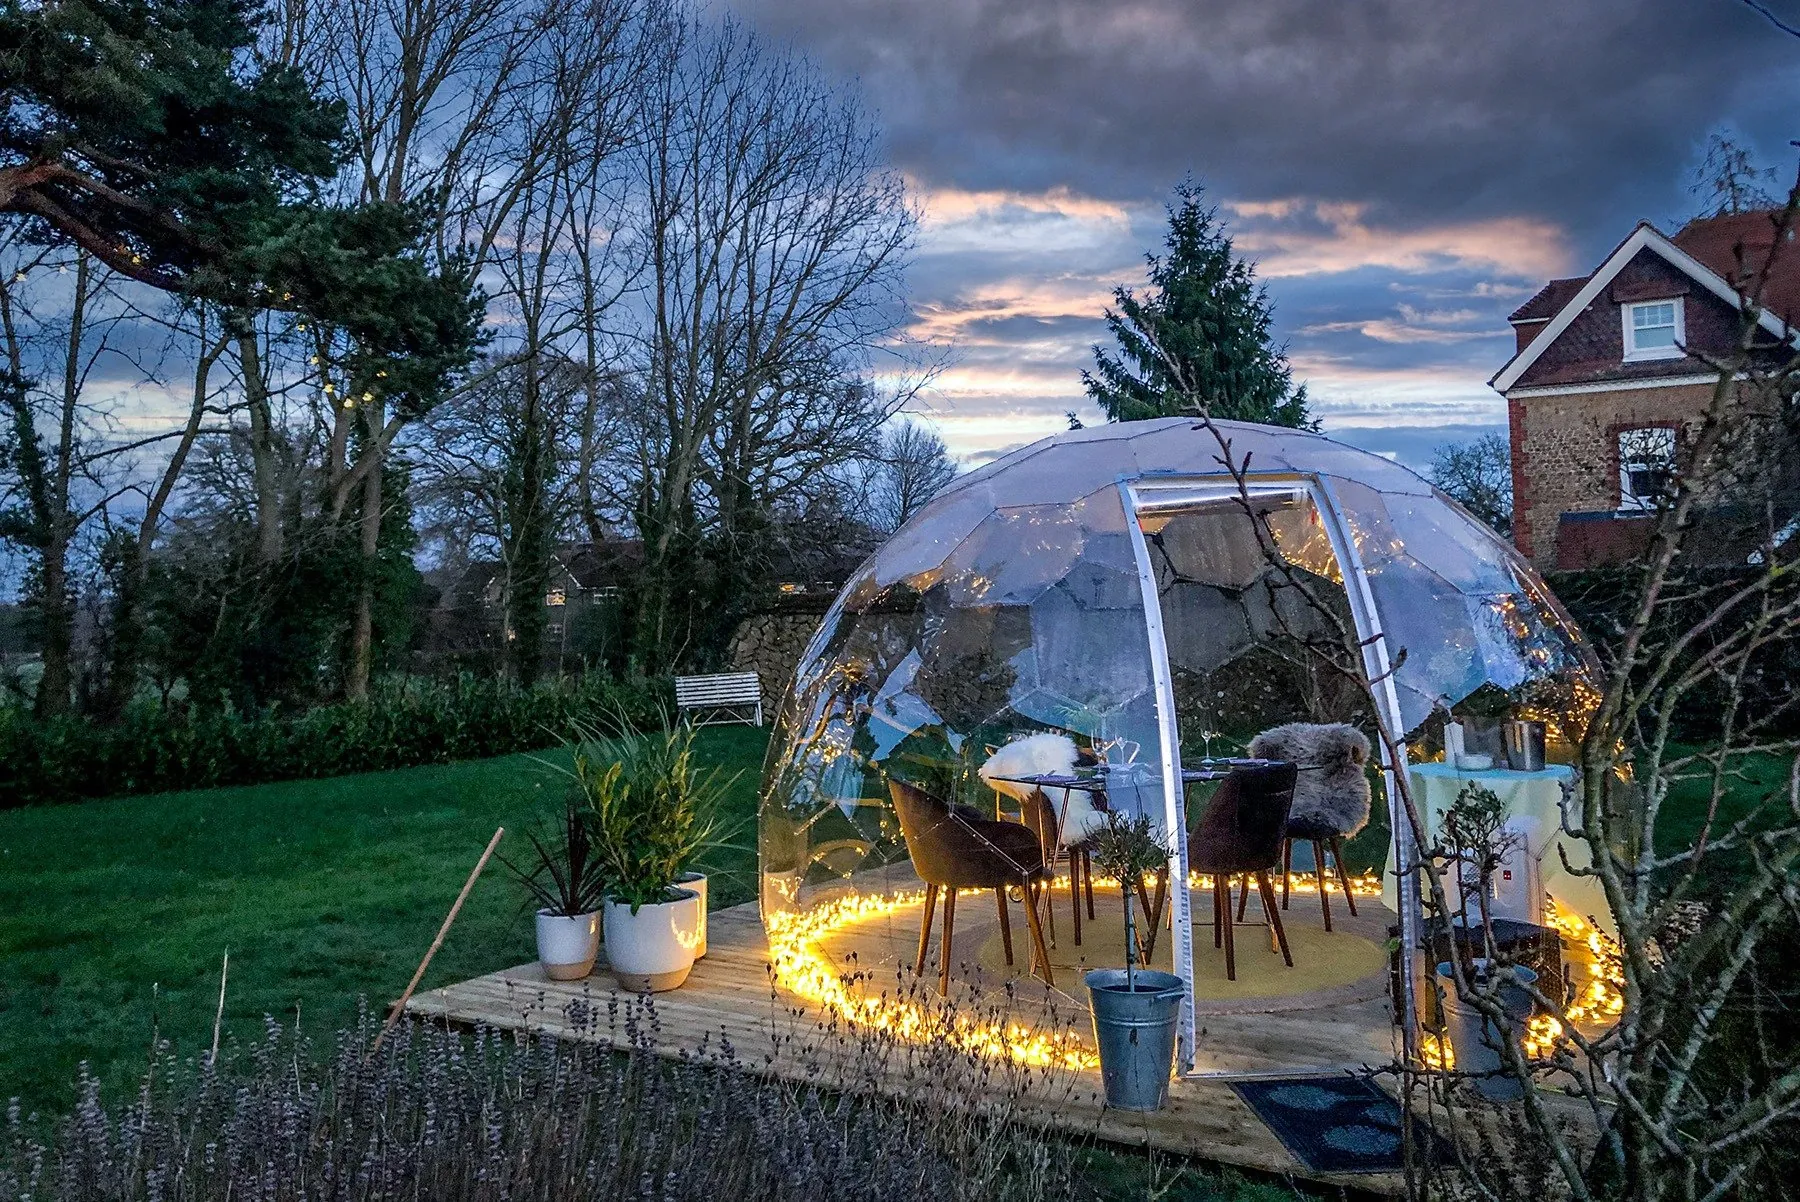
403 725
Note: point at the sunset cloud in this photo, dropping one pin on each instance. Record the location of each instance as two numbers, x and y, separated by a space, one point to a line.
1299 237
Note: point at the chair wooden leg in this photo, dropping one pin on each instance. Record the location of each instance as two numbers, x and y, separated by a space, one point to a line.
1087 881
1244 900
931 892
1037 933
1005 925
1049 905
1075 893
1218 902
1230 943
1337 857
949 934
1287 870
1267 889
1324 893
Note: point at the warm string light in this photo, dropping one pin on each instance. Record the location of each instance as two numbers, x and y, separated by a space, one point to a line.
1602 996
1542 1034
805 969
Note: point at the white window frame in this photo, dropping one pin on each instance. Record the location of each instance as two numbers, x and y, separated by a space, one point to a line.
1629 500
1675 350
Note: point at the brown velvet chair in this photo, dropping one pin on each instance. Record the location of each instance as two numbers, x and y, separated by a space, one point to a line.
953 847
1241 834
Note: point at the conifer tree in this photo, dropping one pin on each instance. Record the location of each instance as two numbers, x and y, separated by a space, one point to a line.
1199 340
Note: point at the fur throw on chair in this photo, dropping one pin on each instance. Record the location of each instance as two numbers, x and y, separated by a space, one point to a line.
1043 755
1331 794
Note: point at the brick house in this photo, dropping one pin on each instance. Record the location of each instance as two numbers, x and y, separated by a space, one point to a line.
1602 381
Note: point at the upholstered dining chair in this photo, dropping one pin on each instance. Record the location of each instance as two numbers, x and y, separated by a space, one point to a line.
1240 834
1331 797
953 847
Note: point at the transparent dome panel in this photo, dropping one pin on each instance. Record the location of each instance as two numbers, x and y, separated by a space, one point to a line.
1032 622
1460 611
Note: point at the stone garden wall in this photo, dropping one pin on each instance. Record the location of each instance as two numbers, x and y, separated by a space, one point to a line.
770 644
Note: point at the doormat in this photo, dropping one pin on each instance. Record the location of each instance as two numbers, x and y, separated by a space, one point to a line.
1336 1124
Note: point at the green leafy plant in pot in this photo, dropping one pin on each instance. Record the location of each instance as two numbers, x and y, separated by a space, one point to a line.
1135 1009
652 812
565 881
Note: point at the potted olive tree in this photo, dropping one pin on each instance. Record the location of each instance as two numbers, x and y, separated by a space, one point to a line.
564 879
1135 1009
652 812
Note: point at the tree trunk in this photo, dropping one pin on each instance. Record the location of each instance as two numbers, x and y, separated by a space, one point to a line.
262 448
56 612
528 569
362 628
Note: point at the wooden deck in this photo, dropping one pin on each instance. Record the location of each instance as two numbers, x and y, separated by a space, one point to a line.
734 1001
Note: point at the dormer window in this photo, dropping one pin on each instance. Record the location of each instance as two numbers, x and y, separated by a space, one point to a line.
1654 330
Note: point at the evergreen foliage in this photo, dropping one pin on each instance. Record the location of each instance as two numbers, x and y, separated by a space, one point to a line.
149 134
1199 341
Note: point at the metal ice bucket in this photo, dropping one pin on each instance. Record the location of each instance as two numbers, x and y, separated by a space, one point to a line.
1525 746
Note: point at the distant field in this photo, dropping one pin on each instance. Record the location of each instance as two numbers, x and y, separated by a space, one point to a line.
114 914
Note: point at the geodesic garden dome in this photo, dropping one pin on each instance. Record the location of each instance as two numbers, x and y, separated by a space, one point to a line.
1153 591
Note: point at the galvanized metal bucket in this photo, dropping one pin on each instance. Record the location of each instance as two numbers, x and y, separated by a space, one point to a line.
1475 1038
1135 1031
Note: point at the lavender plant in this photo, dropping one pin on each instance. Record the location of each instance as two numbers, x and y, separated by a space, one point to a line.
458 1117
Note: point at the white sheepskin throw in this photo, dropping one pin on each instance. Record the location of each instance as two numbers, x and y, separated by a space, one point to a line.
1042 755
1332 790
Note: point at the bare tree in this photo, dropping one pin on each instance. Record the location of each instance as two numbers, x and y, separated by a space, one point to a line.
1478 476
475 112
63 462
773 240
1728 180
913 465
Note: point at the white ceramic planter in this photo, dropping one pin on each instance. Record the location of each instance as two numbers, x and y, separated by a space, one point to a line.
652 950
567 946
696 881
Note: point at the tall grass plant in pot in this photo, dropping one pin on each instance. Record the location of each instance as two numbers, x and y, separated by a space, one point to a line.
652 812
564 879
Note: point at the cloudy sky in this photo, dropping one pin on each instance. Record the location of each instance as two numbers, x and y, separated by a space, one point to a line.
1403 171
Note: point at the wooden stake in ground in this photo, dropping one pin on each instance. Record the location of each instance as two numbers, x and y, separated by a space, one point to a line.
212 1057
399 1007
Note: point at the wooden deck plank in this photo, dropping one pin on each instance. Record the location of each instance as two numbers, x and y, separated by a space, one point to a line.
730 997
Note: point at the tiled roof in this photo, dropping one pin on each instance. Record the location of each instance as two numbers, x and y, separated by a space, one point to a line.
1736 247
1549 300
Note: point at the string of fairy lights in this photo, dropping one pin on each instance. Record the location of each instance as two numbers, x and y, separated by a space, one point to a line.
804 966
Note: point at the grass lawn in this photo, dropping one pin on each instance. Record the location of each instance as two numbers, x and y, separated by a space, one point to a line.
114 914
1754 781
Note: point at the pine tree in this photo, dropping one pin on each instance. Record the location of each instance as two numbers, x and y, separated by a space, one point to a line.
1200 340
150 134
